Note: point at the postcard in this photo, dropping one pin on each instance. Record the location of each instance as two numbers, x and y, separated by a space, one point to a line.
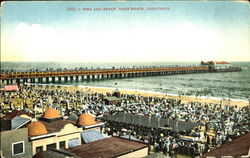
125 78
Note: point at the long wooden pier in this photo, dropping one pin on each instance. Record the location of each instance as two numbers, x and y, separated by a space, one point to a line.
58 76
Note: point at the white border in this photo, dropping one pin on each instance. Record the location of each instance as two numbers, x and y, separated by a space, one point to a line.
13 148
94 125
42 136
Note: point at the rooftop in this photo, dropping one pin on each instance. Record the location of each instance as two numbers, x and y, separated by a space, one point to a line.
36 128
217 62
15 113
116 91
112 98
155 155
51 113
56 126
14 123
152 121
86 119
236 148
53 153
73 117
108 147
11 87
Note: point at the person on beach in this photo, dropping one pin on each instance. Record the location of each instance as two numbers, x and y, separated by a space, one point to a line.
93 103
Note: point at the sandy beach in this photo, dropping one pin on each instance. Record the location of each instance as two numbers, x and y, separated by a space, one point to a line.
185 99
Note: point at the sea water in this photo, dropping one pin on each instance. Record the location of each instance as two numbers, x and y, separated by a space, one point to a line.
234 85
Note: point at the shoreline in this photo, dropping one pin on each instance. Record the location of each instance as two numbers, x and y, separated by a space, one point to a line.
184 99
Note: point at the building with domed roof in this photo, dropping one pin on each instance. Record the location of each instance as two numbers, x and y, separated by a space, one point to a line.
75 136
91 138
51 115
53 132
87 121
36 128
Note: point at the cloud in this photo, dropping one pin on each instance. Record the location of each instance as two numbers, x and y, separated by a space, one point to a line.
29 42
183 42
242 1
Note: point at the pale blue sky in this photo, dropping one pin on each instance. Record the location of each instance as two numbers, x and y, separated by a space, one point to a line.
191 31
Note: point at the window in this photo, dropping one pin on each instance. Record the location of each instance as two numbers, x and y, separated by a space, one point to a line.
62 145
18 148
39 149
74 142
51 146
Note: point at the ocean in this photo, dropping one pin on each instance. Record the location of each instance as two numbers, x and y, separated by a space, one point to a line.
233 85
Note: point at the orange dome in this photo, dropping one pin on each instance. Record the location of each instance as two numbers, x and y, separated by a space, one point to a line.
51 113
36 128
85 120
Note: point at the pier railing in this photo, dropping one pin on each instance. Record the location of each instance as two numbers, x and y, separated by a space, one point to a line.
80 72
77 74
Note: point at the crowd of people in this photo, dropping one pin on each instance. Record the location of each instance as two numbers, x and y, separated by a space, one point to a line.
6 70
225 122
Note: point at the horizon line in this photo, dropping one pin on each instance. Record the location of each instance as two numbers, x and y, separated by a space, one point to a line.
125 61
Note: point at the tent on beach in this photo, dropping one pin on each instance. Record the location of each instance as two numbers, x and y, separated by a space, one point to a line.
11 88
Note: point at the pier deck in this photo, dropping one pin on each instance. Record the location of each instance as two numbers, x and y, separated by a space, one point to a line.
60 75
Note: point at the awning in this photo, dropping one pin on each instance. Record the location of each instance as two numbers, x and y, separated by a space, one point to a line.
74 142
130 137
11 88
152 122
18 122
91 135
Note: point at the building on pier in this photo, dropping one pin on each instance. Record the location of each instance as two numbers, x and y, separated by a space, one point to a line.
217 64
